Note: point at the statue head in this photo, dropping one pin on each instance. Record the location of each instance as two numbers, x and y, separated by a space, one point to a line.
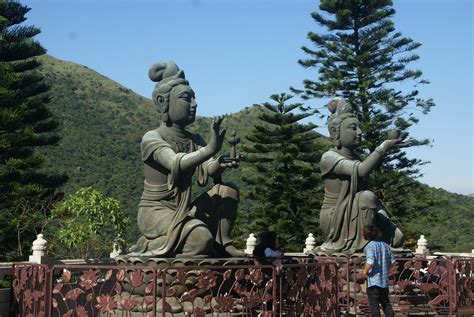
343 125
172 94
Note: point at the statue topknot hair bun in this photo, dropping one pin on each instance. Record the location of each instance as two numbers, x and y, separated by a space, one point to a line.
162 71
339 105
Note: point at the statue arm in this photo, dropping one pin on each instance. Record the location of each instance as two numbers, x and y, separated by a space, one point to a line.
375 158
214 169
167 158
346 166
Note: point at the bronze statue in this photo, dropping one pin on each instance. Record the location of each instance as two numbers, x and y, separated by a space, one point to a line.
170 223
348 206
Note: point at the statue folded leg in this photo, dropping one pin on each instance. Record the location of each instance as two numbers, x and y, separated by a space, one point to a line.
217 208
391 234
191 237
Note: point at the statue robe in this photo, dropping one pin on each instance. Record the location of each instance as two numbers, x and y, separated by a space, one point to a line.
341 219
163 215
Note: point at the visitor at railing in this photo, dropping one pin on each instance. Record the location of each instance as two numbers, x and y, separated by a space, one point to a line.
379 258
266 250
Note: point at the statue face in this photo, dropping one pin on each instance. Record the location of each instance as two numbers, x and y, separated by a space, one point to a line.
350 134
182 105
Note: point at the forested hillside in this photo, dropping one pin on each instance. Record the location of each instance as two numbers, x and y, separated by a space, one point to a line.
102 124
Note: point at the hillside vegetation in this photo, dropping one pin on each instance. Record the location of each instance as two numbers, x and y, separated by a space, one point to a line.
102 124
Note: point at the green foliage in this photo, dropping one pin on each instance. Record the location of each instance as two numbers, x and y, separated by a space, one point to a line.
452 222
26 124
284 184
364 59
85 225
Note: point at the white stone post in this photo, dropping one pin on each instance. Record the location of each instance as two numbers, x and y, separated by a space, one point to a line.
39 248
310 243
251 243
421 246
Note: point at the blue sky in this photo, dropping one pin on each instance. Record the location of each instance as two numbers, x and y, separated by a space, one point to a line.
238 52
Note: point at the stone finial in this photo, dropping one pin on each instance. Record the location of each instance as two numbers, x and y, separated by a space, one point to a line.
310 243
40 246
251 243
421 246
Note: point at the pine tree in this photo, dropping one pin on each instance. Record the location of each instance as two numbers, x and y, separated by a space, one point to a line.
365 60
283 182
25 123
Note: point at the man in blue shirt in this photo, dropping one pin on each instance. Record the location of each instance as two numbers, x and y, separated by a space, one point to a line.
379 257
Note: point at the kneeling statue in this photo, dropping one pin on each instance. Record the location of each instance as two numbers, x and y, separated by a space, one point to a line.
348 206
170 223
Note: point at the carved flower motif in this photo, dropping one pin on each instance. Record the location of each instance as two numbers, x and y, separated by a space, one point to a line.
256 276
37 295
225 303
81 311
106 304
120 275
74 293
240 274
28 298
136 278
88 279
207 280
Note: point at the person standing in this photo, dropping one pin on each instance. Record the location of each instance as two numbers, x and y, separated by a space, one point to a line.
379 257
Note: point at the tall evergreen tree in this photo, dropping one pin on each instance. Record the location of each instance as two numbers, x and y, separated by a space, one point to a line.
365 60
284 184
25 123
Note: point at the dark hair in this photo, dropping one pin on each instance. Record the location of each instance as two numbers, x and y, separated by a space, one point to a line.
267 240
371 233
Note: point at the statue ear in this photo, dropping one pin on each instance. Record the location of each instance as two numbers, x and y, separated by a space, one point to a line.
162 103
159 100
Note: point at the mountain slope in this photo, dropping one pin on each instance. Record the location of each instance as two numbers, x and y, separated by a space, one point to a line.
102 124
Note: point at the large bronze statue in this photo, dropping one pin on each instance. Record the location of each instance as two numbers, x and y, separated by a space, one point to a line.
170 223
348 206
